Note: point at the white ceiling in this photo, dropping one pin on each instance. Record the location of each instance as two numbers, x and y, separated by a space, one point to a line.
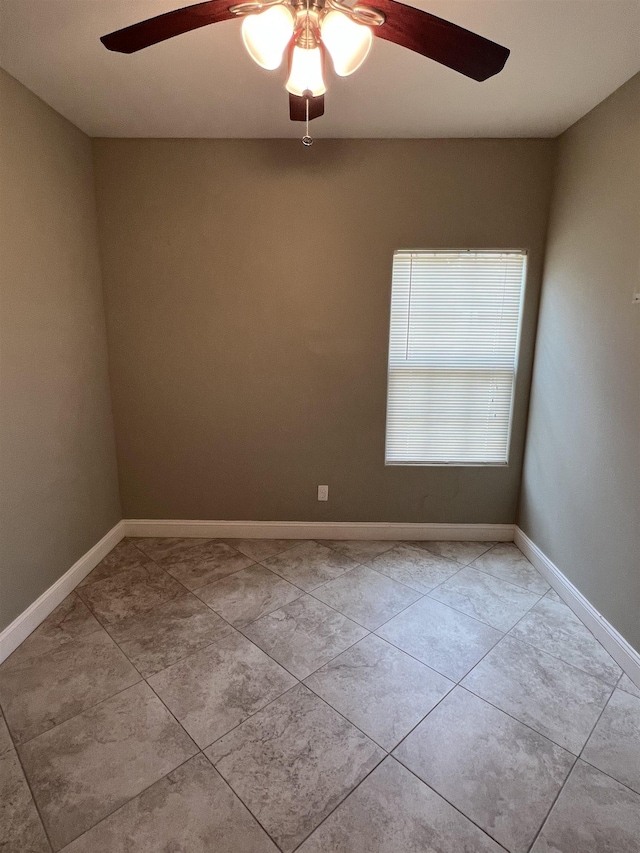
566 56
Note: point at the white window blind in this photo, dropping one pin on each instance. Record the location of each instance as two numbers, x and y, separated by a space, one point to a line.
453 352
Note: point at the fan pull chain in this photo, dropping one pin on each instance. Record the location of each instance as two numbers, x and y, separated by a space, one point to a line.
306 139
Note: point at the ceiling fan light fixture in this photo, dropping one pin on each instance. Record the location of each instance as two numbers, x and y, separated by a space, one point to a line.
267 34
348 43
305 74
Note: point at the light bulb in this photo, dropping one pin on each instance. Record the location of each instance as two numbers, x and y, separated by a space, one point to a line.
306 72
266 35
347 42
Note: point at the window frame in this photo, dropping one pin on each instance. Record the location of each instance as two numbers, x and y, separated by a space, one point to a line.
523 293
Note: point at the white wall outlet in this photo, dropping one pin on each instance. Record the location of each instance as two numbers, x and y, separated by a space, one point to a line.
323 493
636 298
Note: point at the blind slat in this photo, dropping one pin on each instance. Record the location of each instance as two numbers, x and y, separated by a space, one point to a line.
453 348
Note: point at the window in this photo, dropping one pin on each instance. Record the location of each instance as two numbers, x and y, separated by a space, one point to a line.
453 354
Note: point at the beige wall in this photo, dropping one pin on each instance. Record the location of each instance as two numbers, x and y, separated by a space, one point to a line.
247 286
581 484
58 479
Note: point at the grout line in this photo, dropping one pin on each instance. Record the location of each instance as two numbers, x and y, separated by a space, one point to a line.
553 804
235 794
253 714
593 727
517 720
253 565
266 613
586 743
130 800
456 808
197 540
392 544
431 666
613 778
528 643
188 654
410 732
530 607
423 544
342 800
79 713
170 712
33 800
489 702
322 664
371 569
513 583
309 591
556 657
14 748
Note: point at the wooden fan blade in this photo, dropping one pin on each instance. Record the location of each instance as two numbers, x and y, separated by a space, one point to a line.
154 30
447 43
298 108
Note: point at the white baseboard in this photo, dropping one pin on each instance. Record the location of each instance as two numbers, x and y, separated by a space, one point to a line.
619 649
37 612
320 530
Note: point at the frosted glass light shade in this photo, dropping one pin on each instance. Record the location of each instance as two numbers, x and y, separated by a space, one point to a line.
347 42
267 35
306 72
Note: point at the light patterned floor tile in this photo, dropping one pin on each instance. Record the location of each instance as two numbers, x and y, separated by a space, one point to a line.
304 635
381 690
556 699
161 548
628 686
593 814
175 815
552 627
360 550
462 553
249 594
497 771
70 620
491 600
90 765
216 688
46 690
444 639
366 596
507 562
21 830
170 632
262 549
5 738
112 769
124 556
203 564
130 592
394 812
309 564
414 567
293 762
614 745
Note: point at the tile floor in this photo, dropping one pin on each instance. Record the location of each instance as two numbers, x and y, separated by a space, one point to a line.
250 696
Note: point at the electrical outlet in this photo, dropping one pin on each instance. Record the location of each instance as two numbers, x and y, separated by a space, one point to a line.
323 493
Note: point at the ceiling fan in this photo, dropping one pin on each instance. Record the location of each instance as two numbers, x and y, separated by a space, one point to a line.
307 30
